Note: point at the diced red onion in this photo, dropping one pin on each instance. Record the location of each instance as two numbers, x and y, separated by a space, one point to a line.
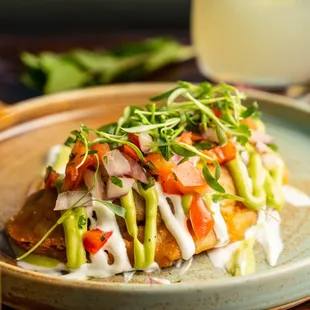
137 171
66 200
89 178
259 136
194 160
115 164
270 160
115 191
188 175
145 142
176 159
153 280
262 147
209 135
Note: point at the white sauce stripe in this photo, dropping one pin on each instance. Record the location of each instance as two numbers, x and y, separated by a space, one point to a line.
220 227
221 256
99 265
269 236
176 224
106 221
295 197
266 232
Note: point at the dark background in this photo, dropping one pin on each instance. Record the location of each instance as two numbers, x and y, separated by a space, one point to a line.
58 25
52 15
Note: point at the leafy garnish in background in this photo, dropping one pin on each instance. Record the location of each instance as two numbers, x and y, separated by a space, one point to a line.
51 72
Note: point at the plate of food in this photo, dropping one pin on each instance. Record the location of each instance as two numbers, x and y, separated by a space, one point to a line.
155 196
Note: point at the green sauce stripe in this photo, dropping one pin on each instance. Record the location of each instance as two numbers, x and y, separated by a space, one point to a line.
273 187
144 254
256 198
76 255
266 185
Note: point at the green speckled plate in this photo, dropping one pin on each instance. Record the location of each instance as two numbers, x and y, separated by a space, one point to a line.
30 128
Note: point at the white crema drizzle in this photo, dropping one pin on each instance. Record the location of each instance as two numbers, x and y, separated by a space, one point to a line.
176 224
220 227
295 197
106 221
266 232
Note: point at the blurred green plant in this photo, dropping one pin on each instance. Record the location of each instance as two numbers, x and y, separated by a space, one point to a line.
53 72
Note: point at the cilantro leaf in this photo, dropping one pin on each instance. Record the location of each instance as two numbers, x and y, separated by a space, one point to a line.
151 183
82 221
179 150
211 181
117 181
116 209
251 111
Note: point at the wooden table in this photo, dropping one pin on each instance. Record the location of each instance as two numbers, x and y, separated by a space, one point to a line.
12 90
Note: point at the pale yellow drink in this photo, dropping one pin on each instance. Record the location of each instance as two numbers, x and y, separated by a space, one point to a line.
256 42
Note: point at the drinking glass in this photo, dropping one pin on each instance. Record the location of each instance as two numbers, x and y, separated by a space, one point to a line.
263 43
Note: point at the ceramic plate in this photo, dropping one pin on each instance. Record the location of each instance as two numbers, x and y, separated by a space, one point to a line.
29 129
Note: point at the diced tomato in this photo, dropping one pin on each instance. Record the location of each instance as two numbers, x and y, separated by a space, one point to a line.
50 177
75 159
95 239
170 184
189 137
189 178
162 166
129 151
101 149
186 137
250 122
200 217
134 139
222 154
177 180
217 112
74 175
228 152
196 137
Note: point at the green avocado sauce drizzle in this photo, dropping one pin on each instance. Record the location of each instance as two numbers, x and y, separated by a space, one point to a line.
242 261
266 185
76 255
144 254
36 259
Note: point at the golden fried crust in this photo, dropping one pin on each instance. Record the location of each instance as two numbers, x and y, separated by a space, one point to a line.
37 216
34 220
